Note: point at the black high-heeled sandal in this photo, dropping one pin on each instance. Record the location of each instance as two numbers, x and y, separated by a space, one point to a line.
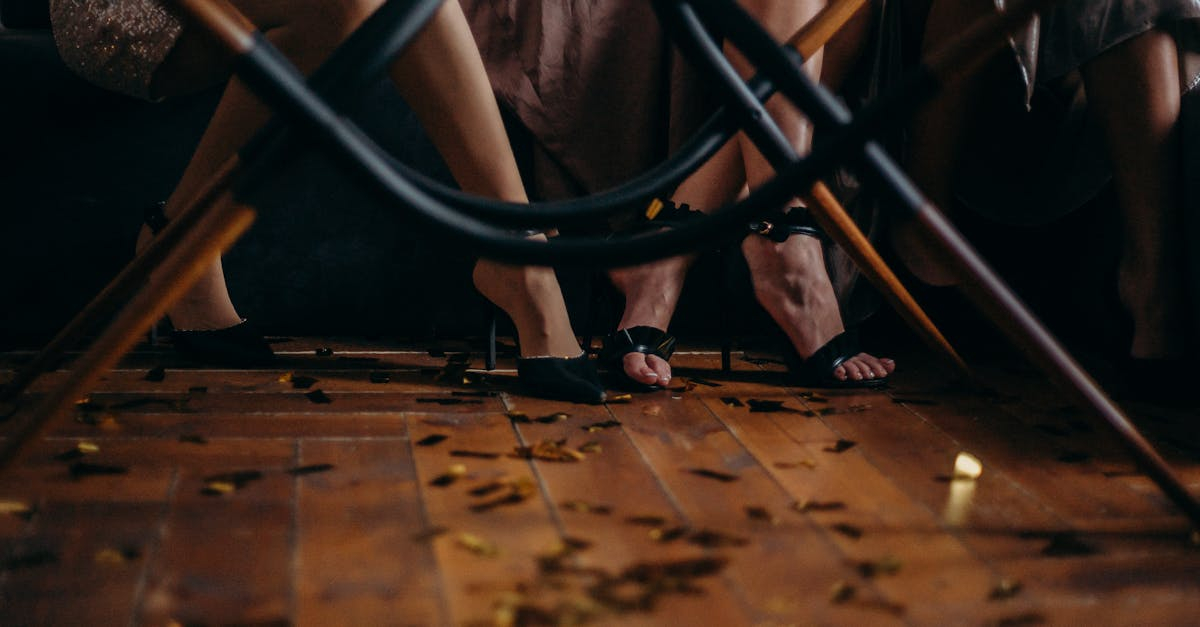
817 370
240 345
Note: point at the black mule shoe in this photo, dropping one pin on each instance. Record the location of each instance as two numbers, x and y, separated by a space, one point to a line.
640 339
817 370
571 379
240 345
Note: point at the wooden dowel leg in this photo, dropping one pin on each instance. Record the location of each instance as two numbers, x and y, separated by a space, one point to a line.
833 218
133 275
182 267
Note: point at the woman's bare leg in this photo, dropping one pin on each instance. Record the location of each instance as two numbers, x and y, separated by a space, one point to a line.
441 76
937 135
790 279
652 290
1134 89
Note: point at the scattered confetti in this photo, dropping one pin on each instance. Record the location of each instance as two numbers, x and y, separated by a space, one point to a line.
840 446
818 506
156 374
477 545
1067 545
430 440
302 382
841 592
967 466
887 565
548 450
16 508
759 513
380 377
600 426
228 482
713 474
475 454
452 474
848 530
1005 589
309 469
586 508
84 469
318 397
519 490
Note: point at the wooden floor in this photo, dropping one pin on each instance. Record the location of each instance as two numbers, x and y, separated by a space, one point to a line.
375 486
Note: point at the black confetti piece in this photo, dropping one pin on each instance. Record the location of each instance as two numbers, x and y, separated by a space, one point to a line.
840 446
552 418
380 377
32 559
318 396
324 351
848 530
599 426
477 454
647 521
818 506
763 406
888 565
715 539
1005 589
156 374
723 477
1067 545
85 469
824 411
731 401
666 535
238 478
518 417
428 534
309 469
430 440
486 489
1019 620
761 514
69 454
301 382
193 438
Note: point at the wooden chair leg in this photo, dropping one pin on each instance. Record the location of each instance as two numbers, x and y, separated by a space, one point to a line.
133 275
833 218
182 266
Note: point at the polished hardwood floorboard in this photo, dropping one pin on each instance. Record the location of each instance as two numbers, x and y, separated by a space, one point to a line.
373 485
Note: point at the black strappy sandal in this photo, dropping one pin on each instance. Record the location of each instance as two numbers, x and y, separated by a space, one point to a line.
643 339
240 345
817 370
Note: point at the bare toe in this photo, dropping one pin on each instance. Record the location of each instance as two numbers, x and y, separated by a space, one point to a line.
854 370
661 367
876 369
637 368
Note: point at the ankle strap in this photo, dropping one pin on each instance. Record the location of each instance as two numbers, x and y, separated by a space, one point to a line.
781 224
155 217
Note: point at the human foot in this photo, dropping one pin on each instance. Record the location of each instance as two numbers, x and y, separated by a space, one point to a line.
791 284
530 295
651 293
1154 299
204 307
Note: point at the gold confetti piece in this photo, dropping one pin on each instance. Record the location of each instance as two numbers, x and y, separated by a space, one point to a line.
220 487
967 466
116 557
452 474
1005 589
590 447
759 513
285 377
16 508
653 208
841 592
548 450
519 490
477 545
807 505
888 565
585 508
87 447
620 398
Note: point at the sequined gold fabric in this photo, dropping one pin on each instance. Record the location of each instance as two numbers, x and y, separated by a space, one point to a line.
116 44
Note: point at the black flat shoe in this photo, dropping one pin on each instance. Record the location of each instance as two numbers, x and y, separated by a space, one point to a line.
571 379
240 345
640 339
